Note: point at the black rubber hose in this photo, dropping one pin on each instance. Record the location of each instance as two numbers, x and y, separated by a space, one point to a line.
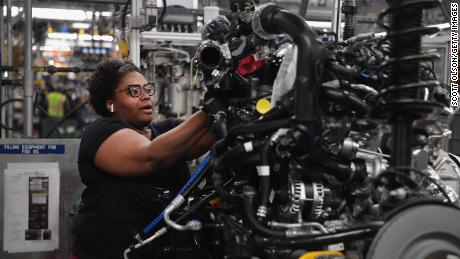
223 165
347 99
163 12
249 160
248 211
344 72
339 170
343 171
225 161
256 128
357 233
264 180
221 124
275 20
350 234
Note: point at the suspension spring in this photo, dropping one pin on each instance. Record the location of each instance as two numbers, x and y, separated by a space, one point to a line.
403 97
350 9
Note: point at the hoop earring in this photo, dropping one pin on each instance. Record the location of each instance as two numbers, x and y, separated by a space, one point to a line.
111 108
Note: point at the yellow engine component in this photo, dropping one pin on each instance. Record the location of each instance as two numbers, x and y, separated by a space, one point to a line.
323 255
263 106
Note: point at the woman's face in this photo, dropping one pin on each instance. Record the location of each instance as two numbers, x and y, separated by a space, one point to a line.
134 111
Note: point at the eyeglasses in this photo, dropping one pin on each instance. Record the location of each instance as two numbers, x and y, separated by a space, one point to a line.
135 89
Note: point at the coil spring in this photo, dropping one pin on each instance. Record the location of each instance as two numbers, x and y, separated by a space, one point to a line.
404 91
350 9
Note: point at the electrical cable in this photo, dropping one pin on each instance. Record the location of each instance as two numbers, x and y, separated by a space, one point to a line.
348 99
163 12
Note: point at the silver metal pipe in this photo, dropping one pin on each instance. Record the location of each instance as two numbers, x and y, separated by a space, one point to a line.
373 153
303 8
316 225
9 27
28 73
141 243
9 46
134 35
176 203
337 18
3 91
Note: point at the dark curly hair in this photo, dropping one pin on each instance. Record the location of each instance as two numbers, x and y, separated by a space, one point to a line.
102 84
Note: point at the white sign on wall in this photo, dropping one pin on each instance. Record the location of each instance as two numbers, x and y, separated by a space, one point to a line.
31 207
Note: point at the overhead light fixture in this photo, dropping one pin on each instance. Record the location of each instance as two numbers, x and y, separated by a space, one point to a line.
80 25
106 38
59 14
187 4
62 35
85 37
102 38
50 48
82 37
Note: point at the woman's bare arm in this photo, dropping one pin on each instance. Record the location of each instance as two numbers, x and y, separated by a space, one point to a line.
127 153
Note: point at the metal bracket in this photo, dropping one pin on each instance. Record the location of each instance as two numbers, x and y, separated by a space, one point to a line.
136 22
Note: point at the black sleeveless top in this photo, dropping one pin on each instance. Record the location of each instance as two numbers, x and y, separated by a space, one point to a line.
114 208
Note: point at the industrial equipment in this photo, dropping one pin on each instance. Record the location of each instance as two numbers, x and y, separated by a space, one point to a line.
347 163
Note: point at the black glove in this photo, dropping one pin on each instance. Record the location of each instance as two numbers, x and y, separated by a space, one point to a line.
219 94
217 116
213 105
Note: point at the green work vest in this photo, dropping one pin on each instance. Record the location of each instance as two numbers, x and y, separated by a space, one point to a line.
56 102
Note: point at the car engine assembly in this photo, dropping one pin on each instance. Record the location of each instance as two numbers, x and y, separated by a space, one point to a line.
347 157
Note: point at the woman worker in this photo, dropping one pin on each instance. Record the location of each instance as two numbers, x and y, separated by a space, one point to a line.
124 160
